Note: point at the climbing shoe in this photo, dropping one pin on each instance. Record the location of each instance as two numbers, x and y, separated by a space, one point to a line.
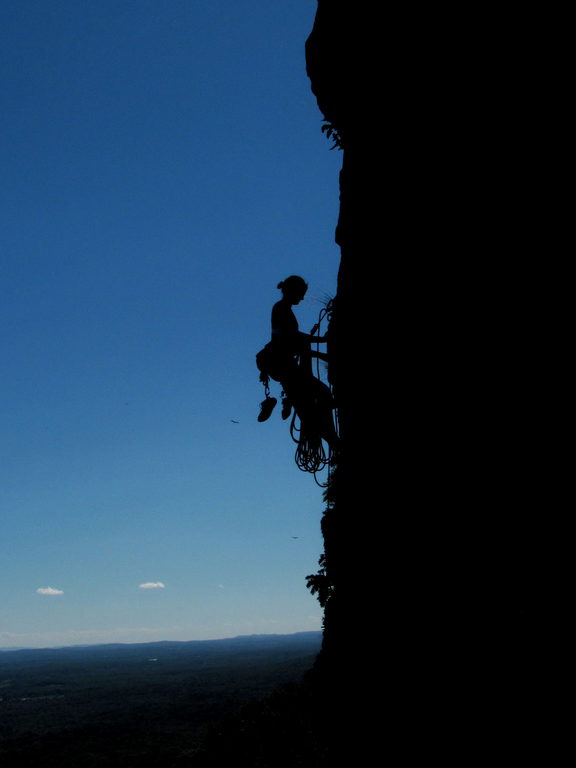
266 408
286 408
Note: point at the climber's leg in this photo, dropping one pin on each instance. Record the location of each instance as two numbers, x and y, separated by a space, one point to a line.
321 411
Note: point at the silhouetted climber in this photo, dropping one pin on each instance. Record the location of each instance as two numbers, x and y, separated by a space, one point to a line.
287 358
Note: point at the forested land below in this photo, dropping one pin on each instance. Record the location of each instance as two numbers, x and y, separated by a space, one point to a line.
137 704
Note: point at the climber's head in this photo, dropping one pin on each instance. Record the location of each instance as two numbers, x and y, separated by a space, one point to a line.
293 289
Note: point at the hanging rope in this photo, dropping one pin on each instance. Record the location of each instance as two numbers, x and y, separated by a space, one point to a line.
265 379
311 455
325 311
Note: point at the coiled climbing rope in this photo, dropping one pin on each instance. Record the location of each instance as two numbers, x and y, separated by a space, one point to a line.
310 456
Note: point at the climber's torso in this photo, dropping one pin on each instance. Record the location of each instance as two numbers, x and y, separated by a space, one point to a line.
285 333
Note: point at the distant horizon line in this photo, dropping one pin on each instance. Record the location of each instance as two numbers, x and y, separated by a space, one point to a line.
9 649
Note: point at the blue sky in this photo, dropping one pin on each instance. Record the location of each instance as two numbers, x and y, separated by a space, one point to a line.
163 168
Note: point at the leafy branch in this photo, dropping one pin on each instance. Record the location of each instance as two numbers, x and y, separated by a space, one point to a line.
319 584
332 133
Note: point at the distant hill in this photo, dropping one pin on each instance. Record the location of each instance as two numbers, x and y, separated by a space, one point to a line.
220 645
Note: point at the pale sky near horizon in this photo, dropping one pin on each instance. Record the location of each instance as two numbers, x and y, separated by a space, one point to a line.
163 167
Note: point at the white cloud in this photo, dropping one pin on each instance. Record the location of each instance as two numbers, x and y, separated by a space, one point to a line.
152 585
49 591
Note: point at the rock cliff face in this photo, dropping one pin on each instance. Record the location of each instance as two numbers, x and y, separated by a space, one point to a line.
442 522
337 80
